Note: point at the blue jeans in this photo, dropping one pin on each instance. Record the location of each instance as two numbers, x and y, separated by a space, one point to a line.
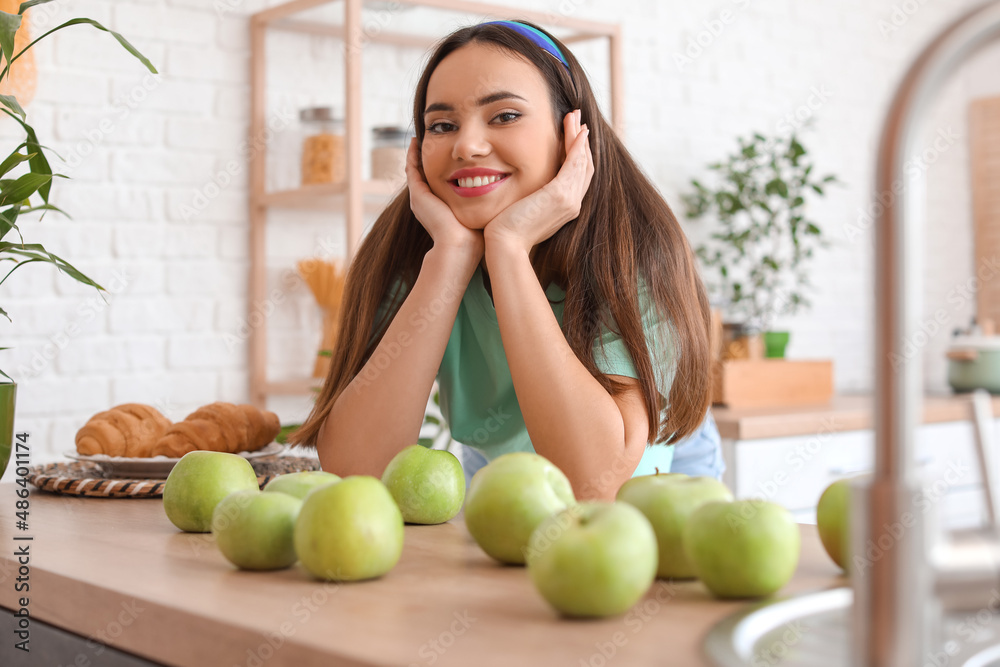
700 454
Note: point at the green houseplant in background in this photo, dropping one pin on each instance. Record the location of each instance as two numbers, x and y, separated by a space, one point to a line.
17 193
761 249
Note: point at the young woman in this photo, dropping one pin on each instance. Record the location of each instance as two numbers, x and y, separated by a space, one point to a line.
532 269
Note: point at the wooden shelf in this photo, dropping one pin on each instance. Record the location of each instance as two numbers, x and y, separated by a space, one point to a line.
327 196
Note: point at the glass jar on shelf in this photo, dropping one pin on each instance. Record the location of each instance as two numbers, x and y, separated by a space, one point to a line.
389 146
284 157
323 152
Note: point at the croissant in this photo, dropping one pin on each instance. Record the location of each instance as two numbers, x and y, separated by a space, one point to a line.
220 427
130 429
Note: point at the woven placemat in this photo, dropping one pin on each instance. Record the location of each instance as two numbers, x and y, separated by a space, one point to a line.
81 478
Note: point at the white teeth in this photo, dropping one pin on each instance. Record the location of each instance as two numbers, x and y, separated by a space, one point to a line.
477 181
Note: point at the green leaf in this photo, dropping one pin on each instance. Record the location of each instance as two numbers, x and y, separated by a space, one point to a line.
431 419
8 220
36 253
50 207
9 23
121 40
22 188
817 188
11 103
282 436
426 442
776 186
37 162
29 4
795 151
12 161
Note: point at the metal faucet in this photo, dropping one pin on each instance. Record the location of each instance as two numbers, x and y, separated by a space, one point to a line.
905 572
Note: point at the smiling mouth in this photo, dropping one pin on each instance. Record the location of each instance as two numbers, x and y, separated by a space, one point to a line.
478 181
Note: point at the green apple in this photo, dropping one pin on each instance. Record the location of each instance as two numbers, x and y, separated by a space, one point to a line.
743 549
349 531
832 515
198 482
254 530
298 484
593 559
428 484
667 500
509 497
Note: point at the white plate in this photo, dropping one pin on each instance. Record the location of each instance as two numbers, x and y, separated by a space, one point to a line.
153 467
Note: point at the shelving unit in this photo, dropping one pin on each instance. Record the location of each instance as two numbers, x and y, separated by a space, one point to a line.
356 194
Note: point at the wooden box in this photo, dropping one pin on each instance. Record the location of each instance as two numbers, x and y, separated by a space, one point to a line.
760 383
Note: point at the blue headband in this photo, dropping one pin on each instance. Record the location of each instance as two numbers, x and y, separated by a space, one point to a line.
536 36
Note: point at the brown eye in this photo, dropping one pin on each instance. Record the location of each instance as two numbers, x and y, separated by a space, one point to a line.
432 127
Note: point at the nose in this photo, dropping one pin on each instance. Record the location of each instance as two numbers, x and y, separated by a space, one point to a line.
470 142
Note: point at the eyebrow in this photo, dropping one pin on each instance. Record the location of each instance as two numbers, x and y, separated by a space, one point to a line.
481 102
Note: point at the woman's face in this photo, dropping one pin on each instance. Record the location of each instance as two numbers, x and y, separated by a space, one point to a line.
488 110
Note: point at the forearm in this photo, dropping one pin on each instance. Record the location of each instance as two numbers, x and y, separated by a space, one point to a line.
382 409
571 419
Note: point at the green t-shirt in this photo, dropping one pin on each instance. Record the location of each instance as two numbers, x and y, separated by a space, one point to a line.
476 389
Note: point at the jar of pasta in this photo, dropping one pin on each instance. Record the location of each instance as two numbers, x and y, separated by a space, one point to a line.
389 144
323 156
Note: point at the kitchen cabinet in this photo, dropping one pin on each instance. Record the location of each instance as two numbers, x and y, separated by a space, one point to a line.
816 446
117 573
355 195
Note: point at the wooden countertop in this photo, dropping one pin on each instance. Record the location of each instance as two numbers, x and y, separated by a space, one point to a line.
94 560
843 413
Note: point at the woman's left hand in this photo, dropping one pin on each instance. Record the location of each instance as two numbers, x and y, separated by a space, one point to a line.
531 220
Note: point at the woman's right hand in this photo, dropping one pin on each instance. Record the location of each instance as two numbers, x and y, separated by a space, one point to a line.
435 215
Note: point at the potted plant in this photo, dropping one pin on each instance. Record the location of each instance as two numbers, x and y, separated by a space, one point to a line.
761 250
17 193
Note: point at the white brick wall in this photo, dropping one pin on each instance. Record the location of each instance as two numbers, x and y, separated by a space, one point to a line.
142 150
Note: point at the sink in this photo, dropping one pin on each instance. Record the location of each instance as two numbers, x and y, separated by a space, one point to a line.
814 629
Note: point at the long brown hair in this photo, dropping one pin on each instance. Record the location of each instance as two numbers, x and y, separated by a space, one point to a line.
625 230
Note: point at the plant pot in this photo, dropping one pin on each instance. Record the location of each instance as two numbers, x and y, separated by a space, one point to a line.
774 344
8 392
974 363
